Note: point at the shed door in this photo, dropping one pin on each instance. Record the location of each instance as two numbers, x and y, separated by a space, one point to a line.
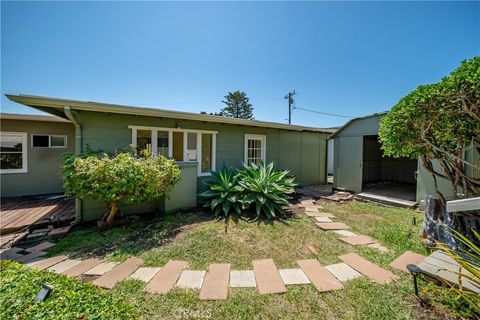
350 157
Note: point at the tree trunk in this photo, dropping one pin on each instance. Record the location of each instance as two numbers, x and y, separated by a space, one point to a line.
111 214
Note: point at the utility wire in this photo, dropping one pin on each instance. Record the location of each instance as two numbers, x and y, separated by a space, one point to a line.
324 113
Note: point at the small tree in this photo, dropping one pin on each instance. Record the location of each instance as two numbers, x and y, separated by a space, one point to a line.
117 179
237 106
438 123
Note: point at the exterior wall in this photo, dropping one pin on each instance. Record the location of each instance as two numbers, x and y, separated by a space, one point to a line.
43 164
330 157
303 153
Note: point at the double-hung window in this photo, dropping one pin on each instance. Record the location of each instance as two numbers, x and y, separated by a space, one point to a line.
179 144
255 146
13 152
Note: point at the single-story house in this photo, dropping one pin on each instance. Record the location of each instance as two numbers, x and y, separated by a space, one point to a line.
360 166
200 143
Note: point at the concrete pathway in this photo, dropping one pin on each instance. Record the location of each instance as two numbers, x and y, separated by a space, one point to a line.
319 276
405 259
118 273
267 276
167 277
215 285
369 269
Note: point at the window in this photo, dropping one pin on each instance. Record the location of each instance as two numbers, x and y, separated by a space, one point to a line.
48 141
255 148
13 152
179 144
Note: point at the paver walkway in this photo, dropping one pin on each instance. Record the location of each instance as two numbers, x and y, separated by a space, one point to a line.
82 267
405 259
369 269
215 285
165 279
267 276
118 273
319 276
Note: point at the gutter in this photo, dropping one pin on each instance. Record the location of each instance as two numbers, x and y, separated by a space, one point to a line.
78 150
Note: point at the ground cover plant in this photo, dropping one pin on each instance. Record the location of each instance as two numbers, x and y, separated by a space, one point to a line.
199 239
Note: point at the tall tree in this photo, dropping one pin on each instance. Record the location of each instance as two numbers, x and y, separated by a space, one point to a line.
438 123
237 106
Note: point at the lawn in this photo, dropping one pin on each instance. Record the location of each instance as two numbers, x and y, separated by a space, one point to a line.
197 238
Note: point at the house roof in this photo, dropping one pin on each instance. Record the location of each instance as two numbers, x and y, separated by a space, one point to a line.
31 117
55 106
356 119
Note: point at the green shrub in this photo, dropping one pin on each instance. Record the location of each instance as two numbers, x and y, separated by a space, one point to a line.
223 196
266 189
69 299
117 179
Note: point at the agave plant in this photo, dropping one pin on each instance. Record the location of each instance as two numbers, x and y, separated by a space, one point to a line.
469 260
223 196
266 189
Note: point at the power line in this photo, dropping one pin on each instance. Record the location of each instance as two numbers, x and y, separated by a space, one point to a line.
324 113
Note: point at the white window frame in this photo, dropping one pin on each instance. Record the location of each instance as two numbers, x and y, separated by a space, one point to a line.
261 137
50 140
154 135
24 168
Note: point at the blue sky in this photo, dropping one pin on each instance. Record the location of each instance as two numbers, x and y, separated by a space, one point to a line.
344 58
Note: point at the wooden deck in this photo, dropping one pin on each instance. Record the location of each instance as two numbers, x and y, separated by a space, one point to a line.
19 213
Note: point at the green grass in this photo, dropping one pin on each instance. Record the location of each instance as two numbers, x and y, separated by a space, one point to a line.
70 299
198 239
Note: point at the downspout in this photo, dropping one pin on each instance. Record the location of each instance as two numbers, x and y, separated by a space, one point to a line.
78 150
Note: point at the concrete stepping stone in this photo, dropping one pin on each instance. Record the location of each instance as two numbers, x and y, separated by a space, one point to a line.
369 269
358 240
215 284
100 269
118 273
30 256
343 271
11 254
323 219
403 260
242 279
332 226
319 276
345 233
312 249
82 267
267 276
40 247
29 262
47 263
57 232
64 265
378 246
319 214
293 276
145 274
165 279
191 279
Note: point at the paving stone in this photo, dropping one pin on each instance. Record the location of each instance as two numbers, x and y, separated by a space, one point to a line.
358 240
165 279
242 279
312 208
293 276
47 263
345 233
267 276
145 274
319 276
191 279
215 285
378 246
312 249
343 271
35 260
369 269
118 273
82 267
332 226
407 258
64 265
319 214
11 254
40 247
100 269
30 256
59 231
323 219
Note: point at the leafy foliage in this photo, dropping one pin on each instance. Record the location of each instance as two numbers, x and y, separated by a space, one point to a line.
266 189
70 299
223 196
469 261
237 106
118 178
438 122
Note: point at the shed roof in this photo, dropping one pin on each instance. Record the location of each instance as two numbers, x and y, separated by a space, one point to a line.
55 106
333 135
31 117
